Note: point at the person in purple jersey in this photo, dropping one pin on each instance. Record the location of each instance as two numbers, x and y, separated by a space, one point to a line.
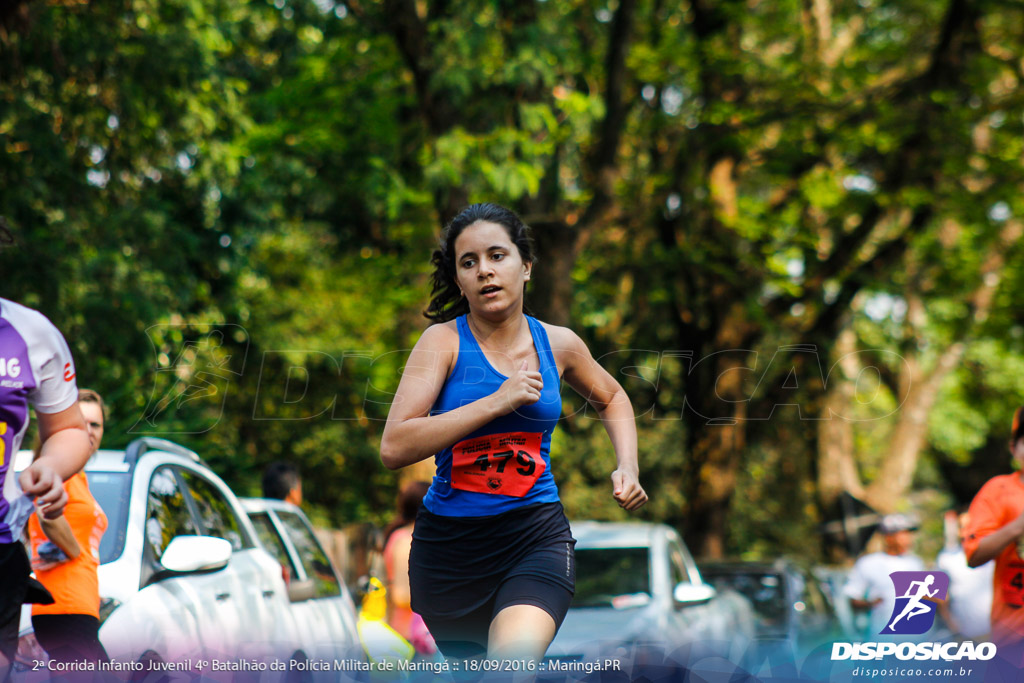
491 568
36 369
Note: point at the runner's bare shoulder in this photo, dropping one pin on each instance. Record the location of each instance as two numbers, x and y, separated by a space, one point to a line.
566 346
440 341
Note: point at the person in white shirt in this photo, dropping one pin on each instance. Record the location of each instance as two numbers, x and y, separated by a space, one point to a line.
868 586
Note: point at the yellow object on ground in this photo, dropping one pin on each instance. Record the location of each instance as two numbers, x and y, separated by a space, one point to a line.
380 641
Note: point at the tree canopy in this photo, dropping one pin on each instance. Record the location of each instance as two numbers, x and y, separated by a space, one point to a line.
791 230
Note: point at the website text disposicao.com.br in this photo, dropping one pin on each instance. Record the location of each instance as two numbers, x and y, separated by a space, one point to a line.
916 660
911 672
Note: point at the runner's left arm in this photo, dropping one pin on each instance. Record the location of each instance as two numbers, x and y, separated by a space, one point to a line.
607 396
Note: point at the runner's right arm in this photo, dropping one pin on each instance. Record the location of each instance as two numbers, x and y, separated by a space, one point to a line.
412 434
989 547
984 538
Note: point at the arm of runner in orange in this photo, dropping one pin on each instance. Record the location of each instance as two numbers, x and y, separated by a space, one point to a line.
59 531
411 433
989 547
986 536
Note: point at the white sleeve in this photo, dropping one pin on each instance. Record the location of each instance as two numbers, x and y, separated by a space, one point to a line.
856 586
50 358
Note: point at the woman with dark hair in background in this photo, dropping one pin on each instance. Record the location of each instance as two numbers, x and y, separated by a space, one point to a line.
67 552
492 567
397 543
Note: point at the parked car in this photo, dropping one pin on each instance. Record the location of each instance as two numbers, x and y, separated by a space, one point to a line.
182 574
640 599
320 602
788 601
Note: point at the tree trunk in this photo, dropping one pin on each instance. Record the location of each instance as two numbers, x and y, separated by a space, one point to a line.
715 414
549 294
911 431
837 469
709 498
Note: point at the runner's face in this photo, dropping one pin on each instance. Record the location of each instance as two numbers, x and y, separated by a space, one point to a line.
93 423
488 268
1017 450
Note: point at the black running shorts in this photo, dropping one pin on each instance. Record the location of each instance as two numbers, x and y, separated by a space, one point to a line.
14 579
464 570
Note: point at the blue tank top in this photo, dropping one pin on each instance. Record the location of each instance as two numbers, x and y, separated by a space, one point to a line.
505 464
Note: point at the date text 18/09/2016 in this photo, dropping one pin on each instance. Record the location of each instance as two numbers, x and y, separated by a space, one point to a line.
397 665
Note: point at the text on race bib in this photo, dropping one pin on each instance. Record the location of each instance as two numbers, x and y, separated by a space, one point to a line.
507 464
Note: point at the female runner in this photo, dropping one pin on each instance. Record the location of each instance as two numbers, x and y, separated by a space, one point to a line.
491 568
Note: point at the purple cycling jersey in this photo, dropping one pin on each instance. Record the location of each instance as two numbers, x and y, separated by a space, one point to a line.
35 368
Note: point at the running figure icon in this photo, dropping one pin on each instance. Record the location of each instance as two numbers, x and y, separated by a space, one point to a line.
916 592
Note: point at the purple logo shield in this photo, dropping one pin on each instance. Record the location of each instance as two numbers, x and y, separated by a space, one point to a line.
916 592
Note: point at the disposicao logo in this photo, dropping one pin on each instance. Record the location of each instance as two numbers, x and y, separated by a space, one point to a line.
914 612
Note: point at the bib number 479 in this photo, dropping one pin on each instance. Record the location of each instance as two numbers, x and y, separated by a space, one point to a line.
507 464
527 465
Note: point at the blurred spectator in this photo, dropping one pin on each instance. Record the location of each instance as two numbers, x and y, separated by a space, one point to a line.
67 551
868 586
397 544
281 480
363 543
970 588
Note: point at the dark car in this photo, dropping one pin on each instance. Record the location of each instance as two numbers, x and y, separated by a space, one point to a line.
788 601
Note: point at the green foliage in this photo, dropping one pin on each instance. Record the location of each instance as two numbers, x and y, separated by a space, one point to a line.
278 171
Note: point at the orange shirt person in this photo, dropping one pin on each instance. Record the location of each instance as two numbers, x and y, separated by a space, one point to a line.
995 530
69 628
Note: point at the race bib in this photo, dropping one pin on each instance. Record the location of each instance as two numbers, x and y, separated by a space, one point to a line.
506 464
1013 584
